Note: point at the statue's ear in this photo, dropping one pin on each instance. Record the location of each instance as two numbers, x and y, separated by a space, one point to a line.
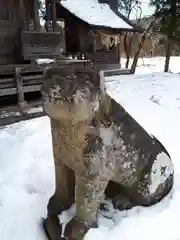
106 103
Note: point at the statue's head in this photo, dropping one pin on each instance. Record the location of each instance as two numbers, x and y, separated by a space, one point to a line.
71 93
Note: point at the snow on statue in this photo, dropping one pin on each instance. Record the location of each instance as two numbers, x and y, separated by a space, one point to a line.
99 148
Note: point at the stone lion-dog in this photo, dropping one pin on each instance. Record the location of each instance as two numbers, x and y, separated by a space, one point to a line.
96 144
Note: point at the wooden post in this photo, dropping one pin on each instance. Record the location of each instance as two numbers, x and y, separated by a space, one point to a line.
48 14
47 9
36 15
94 43
21 100
23 14
54 14
94 47
119 50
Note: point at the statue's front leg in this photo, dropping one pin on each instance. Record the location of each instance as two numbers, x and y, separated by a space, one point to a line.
89 194
64 195
62 199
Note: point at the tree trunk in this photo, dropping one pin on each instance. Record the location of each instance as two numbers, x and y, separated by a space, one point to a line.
171 30
168 55
126 49
119 52
127 61
143 38
136 57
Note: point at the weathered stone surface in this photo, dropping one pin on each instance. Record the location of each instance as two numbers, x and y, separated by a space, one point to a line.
99 148
142 165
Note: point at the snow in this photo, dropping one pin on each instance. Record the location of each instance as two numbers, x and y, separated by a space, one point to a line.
95 13
155 64
27 172
157 178
44 60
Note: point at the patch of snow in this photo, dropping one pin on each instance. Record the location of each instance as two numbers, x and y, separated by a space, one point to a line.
5 114
42 22
162 169
44 60
154 64
95 13
35 110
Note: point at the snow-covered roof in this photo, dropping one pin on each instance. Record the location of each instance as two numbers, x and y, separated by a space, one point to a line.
95 13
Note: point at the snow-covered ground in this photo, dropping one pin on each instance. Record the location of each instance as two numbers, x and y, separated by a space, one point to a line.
27 174
155 64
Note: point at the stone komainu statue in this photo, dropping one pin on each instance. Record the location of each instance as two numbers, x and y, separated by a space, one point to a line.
98 148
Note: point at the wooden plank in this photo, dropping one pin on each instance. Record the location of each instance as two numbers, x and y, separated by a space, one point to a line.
7 85
33 88
31 78
26 89
32 82
39 52
25 68
5 80
116 72
103 56
39 68
109 66
7 91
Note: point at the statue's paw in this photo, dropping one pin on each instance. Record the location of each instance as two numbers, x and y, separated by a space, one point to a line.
122 203
55 206
76 229
104 207
52 227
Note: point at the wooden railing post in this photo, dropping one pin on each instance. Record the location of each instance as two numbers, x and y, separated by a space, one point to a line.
19 85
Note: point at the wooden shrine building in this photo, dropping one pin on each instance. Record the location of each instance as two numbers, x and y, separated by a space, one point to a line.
91 32
22 42
92 29
21 37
